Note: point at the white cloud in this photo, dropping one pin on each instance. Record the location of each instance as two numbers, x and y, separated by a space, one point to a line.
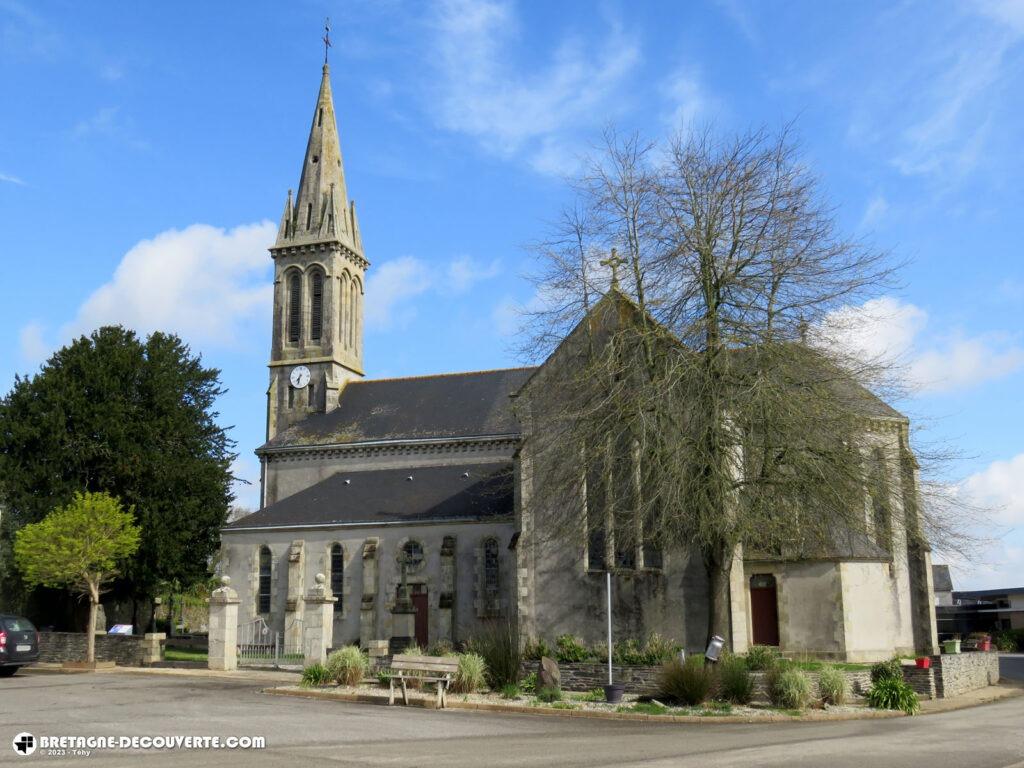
682 91
11 179
200 282
33 346
464 272
875 211
895 331
538 112
1000 488
390 286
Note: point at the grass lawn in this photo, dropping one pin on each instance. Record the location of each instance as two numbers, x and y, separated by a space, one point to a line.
183 654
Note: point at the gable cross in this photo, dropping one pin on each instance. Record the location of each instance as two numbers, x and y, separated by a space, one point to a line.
613 262
327 37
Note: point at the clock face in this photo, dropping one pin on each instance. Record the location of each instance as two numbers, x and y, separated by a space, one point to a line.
300 376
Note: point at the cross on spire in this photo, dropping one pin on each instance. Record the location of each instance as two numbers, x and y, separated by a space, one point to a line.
327 37
613 262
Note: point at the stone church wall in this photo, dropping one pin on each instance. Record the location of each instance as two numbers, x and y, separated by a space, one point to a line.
372 574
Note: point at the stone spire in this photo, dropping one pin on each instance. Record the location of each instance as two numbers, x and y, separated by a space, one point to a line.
321 210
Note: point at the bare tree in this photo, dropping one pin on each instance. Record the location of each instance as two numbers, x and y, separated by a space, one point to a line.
691 409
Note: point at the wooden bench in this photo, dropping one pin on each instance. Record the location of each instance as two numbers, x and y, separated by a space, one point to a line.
428 669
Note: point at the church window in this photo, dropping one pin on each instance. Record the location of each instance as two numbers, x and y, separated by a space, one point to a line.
342 310
320 118
294 307
291 396
263 595
412 554
881 520
596 523
309 215
491 570
337 574
316 321
353 292
311 397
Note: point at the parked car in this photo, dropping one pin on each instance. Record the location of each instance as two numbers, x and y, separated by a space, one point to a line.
19 643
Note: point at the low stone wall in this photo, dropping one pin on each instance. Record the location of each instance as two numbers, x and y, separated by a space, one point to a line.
958 673
126 650
193 642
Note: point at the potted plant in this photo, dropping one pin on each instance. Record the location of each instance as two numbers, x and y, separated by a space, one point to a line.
952 645
982 641
923 662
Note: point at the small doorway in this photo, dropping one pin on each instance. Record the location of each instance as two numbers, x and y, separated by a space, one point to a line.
764 609
419 602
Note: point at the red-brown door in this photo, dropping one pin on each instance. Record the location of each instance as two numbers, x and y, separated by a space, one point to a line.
764 610
419 602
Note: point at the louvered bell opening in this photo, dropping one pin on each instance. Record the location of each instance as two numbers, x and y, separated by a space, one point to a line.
317 307
294 308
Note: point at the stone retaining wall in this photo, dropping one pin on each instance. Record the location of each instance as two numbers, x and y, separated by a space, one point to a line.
126 650
957 673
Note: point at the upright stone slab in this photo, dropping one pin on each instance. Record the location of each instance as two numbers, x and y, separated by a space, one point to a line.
294 610
152 648
368 606
318 624
223 623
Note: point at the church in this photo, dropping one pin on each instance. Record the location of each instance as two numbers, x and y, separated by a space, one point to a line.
415 499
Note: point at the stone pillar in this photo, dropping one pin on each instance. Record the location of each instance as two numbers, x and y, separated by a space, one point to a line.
318 622
446 602
152 648
223 623
378 651
738 602
294 609
368 606
403 617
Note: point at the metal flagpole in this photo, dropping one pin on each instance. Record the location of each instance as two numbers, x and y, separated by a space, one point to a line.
608 583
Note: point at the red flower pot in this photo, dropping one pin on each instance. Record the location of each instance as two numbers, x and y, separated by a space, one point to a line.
923 662
984 645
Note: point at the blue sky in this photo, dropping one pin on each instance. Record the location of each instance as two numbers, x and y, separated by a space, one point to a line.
144 153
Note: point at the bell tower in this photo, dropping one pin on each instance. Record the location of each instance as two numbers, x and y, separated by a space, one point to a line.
319 279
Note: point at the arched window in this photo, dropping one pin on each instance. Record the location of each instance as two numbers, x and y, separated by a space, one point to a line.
263 596
342 309
337 574
294 307
353 293
316 306
491 565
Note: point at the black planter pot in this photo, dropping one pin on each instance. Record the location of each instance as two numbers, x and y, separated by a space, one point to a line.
613 693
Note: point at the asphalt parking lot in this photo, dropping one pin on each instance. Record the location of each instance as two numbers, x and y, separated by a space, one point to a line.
309 733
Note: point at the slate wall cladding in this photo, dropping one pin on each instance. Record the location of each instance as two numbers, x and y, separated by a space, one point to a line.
58 647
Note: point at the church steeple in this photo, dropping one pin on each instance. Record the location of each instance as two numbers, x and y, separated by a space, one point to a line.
321 210
319 278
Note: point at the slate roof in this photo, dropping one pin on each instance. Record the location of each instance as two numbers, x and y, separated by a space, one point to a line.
446 405
466 492
941 580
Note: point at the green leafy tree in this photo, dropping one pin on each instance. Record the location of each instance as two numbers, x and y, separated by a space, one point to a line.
112 412
79 546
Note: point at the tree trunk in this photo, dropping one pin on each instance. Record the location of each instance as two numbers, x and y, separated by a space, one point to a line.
90 630
719 619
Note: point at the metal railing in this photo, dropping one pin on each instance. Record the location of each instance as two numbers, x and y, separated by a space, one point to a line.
261 646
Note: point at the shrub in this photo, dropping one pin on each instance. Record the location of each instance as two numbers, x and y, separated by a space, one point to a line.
735 683
471 674
761 658
788 687
887 670
833 687
347 665
594 694
1009 641
510 691
441 648
890 693
315 674
414 650
689 682
497 643
654 650
549 693
535 649
569 648
384 678
529 683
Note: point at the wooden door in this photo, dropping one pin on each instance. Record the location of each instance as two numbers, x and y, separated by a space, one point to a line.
419 602
764 610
